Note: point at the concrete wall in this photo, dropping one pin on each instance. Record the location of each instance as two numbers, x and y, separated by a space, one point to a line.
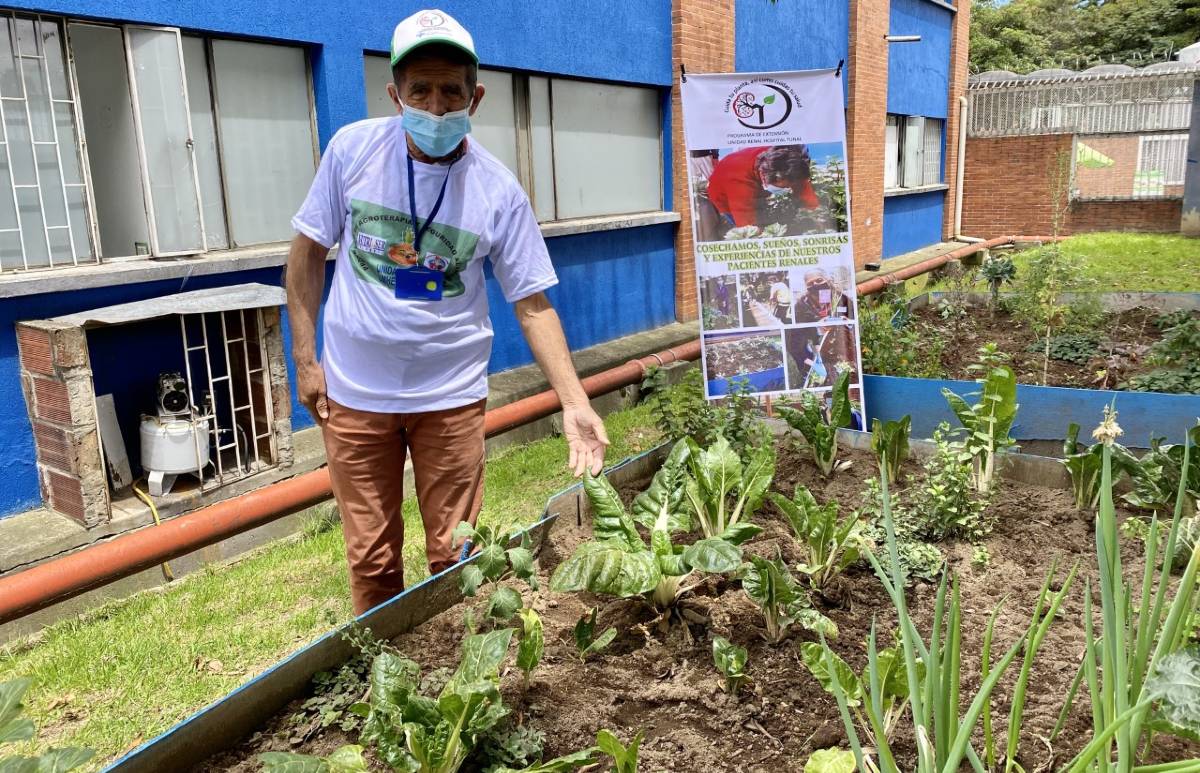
790 35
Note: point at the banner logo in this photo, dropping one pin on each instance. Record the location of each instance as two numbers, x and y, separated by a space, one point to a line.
762 105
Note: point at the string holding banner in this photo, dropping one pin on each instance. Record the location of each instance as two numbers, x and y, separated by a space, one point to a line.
766 162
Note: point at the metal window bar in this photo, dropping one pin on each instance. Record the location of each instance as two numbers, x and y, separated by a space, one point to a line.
43 73
1155 101
220 363
1165 153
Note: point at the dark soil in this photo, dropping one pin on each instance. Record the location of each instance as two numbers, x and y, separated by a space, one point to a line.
1124 340
660 679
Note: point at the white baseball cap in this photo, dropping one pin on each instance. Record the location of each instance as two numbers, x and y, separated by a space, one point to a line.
430 26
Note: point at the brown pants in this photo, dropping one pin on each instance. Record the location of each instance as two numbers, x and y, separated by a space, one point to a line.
366 454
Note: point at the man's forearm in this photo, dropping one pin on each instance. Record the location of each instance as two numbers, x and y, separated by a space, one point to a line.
543 330
305 286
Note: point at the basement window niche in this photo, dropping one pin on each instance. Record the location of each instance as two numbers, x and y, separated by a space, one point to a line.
182 399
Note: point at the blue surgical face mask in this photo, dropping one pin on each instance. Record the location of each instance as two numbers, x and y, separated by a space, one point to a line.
436 135
776 189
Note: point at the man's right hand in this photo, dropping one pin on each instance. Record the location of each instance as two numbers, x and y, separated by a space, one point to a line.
310 386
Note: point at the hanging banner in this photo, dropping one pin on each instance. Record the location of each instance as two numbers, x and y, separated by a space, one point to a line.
771 220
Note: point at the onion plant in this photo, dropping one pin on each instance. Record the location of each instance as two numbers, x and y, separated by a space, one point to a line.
932 672
1132 664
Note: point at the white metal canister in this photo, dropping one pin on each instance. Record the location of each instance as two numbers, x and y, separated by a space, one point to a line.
174 445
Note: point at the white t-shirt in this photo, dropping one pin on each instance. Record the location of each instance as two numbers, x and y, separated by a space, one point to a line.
390 355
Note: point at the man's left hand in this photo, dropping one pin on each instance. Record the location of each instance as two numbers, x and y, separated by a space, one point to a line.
586 439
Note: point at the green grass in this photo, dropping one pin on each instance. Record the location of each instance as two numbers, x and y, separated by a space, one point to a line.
128 670
1126 262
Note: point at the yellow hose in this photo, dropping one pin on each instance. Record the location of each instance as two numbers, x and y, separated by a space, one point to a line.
166 568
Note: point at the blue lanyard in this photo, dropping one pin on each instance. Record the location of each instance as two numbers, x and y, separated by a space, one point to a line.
418 232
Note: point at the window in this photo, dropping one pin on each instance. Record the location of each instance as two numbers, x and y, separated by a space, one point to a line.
579 148
135 140
1162 161
912 152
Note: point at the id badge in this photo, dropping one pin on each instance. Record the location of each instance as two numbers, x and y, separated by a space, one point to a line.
419 283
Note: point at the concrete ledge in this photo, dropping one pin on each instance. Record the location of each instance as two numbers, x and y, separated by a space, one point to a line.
914 191
124 271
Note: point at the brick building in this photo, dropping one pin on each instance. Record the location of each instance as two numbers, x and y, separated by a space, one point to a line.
156 150
1060 152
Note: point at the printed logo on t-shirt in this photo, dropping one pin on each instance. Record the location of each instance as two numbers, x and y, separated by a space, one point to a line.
383 244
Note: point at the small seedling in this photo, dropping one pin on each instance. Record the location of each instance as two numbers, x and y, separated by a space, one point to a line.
625 758
981 557
586 643
730 660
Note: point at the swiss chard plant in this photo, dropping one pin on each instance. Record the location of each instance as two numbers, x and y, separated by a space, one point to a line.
721 491
889 689
889 441
818 428
1084 465
1159 475
619 562
781 599
831 543
15 727
531 643
587 643
986 424
625 758
997 271
730 660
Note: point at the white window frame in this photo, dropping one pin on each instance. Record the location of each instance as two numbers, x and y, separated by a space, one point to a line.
898 176
528 151
64 23
1168 154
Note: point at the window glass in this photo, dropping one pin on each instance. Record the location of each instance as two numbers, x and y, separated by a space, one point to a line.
265 120
607 149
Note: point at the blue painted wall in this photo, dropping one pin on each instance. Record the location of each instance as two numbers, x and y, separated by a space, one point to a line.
919 73
625 41
1044 412
912 221
612 283
790 35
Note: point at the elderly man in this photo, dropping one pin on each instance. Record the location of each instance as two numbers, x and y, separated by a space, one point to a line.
416 207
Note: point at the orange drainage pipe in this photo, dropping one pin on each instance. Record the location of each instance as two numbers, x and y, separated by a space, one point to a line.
62 578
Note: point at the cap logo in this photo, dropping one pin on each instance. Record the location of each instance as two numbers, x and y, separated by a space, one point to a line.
431 19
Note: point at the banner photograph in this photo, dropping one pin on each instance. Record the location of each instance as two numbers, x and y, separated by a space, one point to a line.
774 258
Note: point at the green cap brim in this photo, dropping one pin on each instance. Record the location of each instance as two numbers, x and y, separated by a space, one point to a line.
398 55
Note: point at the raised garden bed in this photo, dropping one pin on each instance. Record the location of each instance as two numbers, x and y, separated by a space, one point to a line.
659 678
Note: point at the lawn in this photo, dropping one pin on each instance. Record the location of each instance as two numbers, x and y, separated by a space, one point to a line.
130 669
1127 262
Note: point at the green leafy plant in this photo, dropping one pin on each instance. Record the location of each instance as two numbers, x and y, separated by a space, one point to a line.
1077 348
625 758
891 688
495 563
730 660
947 504
830 761
986 423
1084 465
831 544
618 562
997 271
981 557
347 759
15 727
818 429
586 642
1049 276
1159 475
721 491
889 441
1175 689
531 645
1189 537
782 601
919 558
682 411
892 345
